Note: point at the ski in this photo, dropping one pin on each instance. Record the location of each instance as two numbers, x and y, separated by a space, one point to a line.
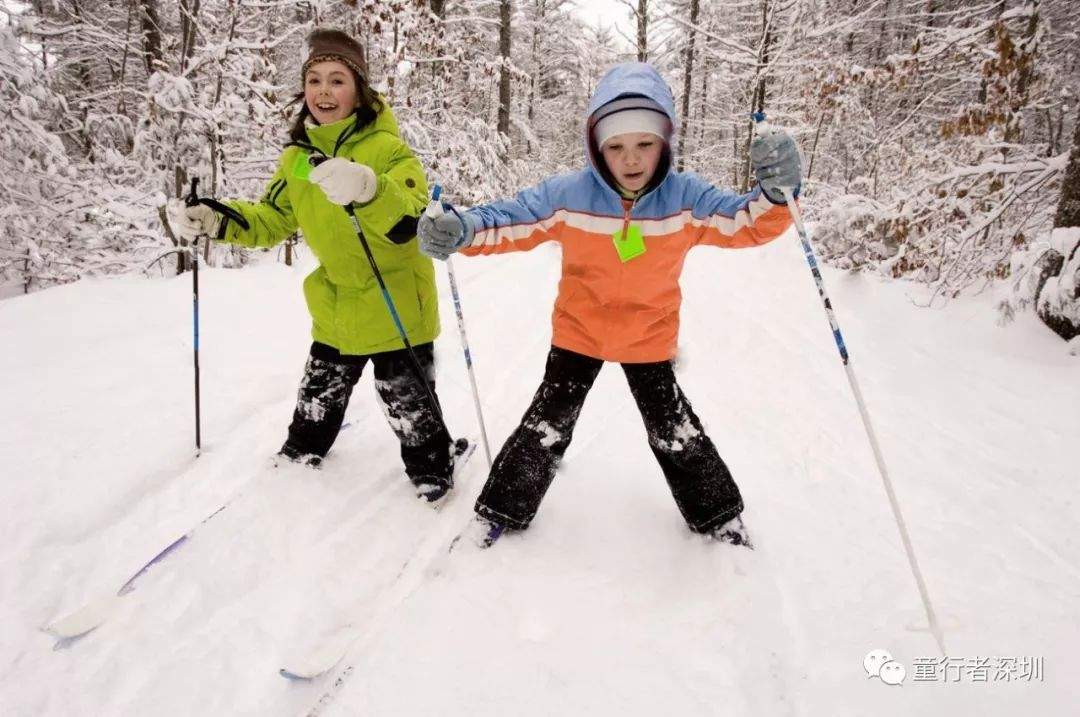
412 574
99 610
479 531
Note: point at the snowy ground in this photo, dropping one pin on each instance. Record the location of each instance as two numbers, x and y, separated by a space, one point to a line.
607 605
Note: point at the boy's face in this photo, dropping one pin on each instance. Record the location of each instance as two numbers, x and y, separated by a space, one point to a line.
330 91
632 158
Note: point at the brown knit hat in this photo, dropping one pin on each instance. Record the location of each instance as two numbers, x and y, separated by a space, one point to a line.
325 44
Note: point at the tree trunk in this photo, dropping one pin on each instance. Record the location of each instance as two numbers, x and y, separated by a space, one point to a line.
503 126
760 86
990 39
189 10
120 109
883 39
813 146
688 78
1068 210
1060 271
151 31
534 85
642 16
215 134
703 102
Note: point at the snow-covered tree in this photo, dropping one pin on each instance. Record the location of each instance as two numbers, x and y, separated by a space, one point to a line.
935 133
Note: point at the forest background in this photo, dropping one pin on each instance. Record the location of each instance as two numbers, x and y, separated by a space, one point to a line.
937 134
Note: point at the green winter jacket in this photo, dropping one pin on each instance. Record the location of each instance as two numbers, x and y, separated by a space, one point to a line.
347 307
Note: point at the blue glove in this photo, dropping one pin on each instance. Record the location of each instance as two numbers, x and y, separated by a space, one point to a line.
776 163
443 234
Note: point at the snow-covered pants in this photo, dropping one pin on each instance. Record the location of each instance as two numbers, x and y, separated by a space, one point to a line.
329 378
701 484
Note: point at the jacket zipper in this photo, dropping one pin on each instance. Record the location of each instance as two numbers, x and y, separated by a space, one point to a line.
626 219
617 301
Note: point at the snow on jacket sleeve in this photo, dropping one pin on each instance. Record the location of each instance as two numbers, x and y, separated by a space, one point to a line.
271 220
517 224
726 219
401 191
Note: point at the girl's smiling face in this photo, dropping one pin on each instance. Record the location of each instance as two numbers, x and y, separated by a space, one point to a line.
330 91
632 158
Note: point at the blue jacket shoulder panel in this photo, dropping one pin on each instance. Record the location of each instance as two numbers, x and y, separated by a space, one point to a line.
703 199
574 191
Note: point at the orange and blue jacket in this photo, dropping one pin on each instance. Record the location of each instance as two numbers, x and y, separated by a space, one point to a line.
615 301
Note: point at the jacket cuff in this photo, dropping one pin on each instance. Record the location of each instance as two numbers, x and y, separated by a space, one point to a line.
781 202
385 209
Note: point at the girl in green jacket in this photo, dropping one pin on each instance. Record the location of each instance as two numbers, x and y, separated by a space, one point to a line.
366 170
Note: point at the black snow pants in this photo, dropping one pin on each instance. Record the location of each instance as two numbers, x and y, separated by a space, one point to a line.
329 378
700 482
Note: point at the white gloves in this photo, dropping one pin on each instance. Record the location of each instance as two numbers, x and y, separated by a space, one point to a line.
192 222
345 181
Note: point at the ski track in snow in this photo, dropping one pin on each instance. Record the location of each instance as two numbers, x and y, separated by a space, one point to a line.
607 605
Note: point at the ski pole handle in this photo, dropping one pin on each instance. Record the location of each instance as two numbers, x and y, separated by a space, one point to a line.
434 207
193 196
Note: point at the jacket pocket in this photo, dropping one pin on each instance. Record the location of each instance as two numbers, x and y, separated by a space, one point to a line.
366 317
321 298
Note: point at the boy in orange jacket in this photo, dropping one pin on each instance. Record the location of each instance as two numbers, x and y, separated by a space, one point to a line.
625 223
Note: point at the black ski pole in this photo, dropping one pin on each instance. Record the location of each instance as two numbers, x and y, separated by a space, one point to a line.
192 200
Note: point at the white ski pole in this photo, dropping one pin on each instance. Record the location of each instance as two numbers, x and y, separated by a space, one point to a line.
808 250
434 209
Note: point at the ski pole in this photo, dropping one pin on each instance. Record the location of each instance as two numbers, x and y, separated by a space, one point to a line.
764 128
435 209
192 200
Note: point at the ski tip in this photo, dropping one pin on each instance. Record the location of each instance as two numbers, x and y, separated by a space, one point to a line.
290 675
83 620
322 660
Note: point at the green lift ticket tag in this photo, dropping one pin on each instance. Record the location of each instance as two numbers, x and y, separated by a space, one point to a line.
630 244
302 166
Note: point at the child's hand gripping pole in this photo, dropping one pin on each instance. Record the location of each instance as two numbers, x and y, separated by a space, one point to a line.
434 207
435 210
765 130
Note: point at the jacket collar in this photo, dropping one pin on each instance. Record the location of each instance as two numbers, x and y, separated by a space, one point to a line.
325 136
331 139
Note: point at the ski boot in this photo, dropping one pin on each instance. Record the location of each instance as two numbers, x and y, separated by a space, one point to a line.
288 454
732 532
434 488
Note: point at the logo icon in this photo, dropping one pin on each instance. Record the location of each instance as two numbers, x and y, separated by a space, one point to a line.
874 660
880 664
893 673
